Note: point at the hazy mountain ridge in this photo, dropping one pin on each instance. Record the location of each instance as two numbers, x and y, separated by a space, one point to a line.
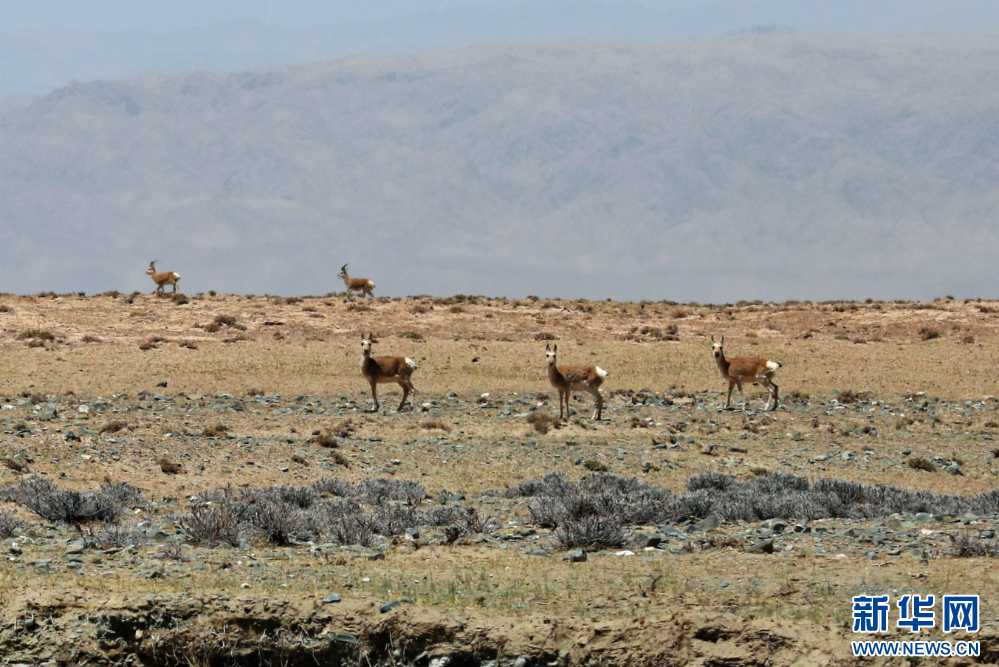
740 167
36 61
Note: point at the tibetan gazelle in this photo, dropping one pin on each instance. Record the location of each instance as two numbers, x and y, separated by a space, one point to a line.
378 370
751 371
162 279
579 378
362 285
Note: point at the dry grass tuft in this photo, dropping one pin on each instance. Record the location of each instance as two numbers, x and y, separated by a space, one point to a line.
345 428
168 466
359 308
36 335
435 424
542 422
921 463
113 427
223 321
848 396
671 332
216 430
929 333
325 440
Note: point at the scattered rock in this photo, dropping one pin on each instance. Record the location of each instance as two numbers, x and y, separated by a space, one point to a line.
389 606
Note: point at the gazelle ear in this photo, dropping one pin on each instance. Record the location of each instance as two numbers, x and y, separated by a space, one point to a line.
712 339
723 340
555 349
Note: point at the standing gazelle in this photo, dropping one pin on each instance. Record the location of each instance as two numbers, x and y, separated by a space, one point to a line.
362 285
162 279
749 370
386 369
580 378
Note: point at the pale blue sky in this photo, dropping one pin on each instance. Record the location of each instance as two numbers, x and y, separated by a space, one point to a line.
838 16
116 15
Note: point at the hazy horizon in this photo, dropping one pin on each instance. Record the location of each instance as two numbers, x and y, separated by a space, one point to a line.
749 167
46 45
695 150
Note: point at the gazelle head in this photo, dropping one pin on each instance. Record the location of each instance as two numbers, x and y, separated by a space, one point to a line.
716 348
343 272
550 353
152 268
366 343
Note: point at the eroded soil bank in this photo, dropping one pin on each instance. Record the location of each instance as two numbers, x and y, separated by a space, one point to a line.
157 630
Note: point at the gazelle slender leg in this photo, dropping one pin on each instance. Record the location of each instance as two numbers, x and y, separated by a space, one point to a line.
728 401
407 387
765 384
599 403
374 394
742 396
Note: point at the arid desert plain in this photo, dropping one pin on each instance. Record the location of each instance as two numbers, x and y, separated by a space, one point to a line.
199 480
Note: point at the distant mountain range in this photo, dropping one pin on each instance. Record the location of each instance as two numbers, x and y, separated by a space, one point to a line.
38 61
739 167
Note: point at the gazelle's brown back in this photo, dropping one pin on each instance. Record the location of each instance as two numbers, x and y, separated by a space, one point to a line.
391 367
579 377
748 368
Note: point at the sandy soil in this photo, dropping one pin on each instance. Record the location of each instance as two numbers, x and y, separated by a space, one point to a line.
866 388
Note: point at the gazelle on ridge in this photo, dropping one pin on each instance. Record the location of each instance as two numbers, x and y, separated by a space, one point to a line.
362 285
162 279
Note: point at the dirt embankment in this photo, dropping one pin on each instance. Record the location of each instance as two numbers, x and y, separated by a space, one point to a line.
255 630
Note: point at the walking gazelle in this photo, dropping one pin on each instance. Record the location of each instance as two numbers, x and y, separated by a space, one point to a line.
750 370
378 370
162 279
580 378
362 285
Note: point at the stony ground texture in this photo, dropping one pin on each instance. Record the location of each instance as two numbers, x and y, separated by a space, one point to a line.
708 544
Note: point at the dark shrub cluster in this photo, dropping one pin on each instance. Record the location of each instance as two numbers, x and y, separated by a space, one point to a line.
9 524
377 490
964 545
115 535
72 507
594 511
331 509
600 506
214 524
